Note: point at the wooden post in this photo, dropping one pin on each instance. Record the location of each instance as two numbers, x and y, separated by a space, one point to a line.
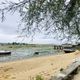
68 73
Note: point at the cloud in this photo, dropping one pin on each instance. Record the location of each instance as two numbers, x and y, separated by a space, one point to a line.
7 38
46 41
10 25
8 31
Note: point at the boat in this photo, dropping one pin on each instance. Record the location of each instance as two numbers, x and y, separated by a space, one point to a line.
5 52
68 48
36 53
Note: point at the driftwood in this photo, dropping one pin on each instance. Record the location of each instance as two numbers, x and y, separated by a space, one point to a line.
68 73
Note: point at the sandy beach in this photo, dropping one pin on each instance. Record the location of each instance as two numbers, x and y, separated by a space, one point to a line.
28 69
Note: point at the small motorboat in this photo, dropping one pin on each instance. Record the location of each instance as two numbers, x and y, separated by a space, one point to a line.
68 48
5 52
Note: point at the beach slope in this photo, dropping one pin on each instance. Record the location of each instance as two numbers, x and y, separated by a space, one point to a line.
28 69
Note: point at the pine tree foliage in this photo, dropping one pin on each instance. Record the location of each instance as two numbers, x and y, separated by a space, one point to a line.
49 16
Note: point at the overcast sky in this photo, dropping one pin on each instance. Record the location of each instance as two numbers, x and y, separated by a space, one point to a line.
8 32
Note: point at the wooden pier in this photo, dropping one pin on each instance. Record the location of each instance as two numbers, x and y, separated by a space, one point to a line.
58 47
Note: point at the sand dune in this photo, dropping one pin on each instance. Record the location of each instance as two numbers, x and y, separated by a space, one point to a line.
29 68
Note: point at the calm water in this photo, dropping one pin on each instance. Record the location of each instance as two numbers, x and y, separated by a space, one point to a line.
27 53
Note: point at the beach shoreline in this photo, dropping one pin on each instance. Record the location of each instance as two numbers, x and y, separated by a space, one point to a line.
28 69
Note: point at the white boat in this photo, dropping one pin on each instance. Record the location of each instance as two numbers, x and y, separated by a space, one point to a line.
5 52
67 48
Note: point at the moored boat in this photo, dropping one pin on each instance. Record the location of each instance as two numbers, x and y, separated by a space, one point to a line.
68 48
36 53
5 52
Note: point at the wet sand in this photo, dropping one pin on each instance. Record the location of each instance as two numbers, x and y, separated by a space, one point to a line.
28 69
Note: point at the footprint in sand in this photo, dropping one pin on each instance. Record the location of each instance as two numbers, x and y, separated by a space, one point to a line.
5 73
7 76
7 69
13 77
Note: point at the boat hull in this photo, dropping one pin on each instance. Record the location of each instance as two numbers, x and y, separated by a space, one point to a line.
5 53
68 51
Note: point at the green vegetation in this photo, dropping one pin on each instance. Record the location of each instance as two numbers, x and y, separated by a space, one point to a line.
13 46
39 77
58 16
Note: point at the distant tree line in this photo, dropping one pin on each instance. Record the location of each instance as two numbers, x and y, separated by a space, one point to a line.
14 43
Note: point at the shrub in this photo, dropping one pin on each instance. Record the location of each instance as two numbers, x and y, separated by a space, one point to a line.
39 77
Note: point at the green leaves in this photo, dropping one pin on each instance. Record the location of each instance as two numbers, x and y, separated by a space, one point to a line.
39 77
57 14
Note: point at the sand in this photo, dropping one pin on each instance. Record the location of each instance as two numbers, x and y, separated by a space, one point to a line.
77 77
28 69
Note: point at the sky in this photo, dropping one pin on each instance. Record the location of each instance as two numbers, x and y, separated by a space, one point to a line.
9 34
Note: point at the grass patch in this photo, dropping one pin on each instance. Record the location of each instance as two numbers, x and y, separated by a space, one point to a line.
39 77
